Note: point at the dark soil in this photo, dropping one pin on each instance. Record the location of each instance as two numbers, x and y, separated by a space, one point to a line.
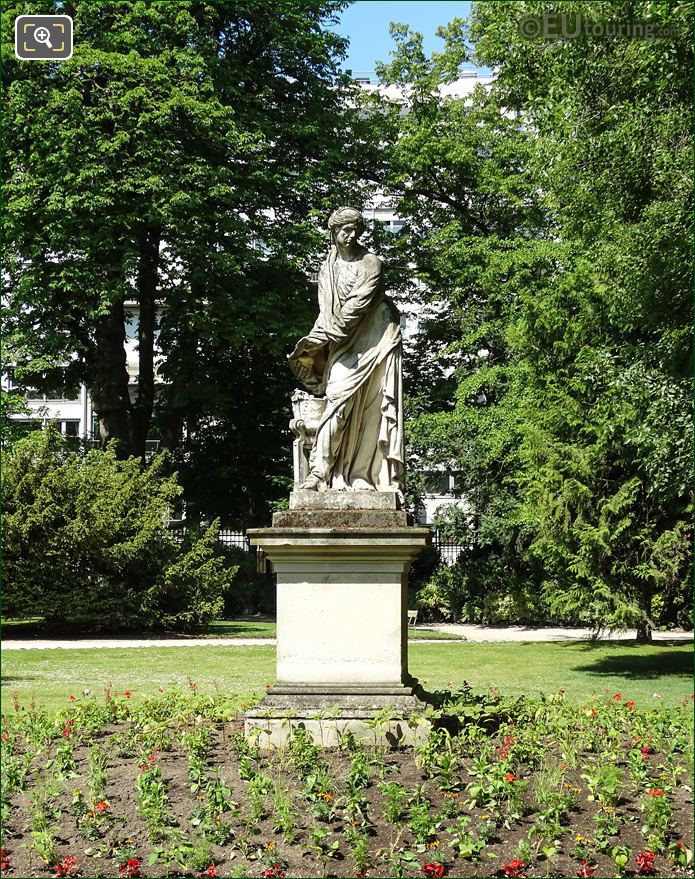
255 846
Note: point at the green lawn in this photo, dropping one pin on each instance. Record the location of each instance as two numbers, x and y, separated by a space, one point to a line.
582 669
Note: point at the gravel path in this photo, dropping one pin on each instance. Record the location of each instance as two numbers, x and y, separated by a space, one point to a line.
465 632
538 633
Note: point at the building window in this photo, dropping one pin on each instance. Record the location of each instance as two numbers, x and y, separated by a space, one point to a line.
396 225
437 482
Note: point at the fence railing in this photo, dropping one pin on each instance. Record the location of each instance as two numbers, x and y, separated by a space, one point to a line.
230 537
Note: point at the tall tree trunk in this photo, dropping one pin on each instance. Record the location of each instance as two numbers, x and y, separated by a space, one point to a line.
644 625
178 412
110 389
141 419
173 421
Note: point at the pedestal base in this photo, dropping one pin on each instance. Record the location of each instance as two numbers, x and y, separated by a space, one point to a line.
342 631
393 716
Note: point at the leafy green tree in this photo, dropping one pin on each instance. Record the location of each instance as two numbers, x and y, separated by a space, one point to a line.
555 233
179 162
86 542
607 440
479 238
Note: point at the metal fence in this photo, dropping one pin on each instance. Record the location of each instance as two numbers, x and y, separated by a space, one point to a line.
229 537
448 551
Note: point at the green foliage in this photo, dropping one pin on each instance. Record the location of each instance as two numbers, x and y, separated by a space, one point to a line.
549 217
86 542
179 161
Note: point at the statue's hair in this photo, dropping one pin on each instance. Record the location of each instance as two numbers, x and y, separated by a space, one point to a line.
343 215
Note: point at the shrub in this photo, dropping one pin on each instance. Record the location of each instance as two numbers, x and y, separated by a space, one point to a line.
444 594
86 541
464 593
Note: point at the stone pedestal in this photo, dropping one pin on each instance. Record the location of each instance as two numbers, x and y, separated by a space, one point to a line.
341 560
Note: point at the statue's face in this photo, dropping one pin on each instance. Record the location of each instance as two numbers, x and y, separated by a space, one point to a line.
347 235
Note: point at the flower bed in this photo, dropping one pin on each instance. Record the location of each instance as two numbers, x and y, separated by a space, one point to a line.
501 788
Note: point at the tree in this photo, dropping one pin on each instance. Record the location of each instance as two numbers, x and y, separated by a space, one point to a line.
555 232
179 160
606 445
479 239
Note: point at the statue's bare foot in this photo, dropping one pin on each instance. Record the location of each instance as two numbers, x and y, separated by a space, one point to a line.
310 484
362 485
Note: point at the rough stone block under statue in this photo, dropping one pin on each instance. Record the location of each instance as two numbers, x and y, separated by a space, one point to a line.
342 561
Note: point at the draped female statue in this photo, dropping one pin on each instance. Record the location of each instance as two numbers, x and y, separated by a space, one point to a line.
353 356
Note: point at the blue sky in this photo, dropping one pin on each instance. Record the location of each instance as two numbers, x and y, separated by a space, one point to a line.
366 23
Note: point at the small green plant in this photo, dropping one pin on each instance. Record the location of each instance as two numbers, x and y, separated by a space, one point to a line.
464 840
395 800
657 812
44 844
285 817
259 787
151 797
358 843
680 854
324 846
606 825
604 781
357 808
621 855
397 860
96 782
420 823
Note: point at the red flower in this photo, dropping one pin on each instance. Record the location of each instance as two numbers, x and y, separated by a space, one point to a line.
434 870
655 792
72 699
103 806
586 871
4 861
513 869
617 697
67 867
645 863
211 871
277 871
5 737
630 704
151 759
131 868
646 749
127 694
510 777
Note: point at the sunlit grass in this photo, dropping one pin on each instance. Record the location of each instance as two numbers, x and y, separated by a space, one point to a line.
583 670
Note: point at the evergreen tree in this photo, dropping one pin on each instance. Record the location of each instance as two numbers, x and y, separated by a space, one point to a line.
551 218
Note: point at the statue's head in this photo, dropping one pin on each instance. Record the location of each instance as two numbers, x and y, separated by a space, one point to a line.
346 217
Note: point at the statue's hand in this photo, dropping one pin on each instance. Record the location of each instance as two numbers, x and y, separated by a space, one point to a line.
303 367
304 346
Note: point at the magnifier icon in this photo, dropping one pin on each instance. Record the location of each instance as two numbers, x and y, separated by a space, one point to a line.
43 35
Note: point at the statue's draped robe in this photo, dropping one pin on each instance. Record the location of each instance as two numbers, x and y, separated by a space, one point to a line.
358 367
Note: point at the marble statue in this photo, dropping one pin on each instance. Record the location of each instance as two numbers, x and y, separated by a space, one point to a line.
352 358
